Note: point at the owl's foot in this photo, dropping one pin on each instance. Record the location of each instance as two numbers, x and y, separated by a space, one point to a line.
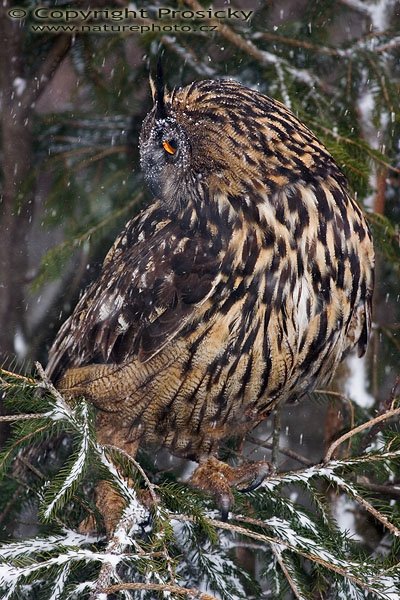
218 479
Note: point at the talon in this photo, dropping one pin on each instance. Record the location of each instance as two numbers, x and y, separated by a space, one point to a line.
254 485
217 478
260 474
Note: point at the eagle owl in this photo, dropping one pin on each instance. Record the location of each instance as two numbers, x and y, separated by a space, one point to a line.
241 286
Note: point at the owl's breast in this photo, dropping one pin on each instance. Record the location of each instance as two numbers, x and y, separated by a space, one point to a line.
270 298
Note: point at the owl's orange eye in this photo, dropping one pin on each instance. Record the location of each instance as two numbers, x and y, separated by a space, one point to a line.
169 146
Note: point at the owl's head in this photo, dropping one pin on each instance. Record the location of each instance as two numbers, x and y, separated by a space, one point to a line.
188 147
218 139
165 151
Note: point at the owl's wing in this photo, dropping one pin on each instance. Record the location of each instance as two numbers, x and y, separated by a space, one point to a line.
151 282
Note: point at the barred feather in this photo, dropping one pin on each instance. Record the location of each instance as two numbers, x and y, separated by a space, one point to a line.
243 284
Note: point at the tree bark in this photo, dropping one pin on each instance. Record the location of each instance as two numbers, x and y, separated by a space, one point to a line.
16 199
18 93
18 179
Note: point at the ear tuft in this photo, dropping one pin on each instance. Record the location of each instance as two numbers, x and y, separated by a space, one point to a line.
159 91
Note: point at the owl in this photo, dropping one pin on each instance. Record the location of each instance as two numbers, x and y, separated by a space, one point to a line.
241 286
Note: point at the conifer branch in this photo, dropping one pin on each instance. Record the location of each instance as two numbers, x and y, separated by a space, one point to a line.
394 43
370 583
48 384
285 451
151 487
276 550
17 376
262 56
159 587
46 71
375 155
153 494
116 547
330 565
276 438
357 5
25 417
17 443
370 509
383 417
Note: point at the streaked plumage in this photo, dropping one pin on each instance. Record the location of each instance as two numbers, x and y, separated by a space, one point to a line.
242 285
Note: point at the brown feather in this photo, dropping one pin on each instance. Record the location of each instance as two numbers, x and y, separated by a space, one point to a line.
243 285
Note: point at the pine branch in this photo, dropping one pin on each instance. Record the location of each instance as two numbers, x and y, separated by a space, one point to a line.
384 417
296 532
357 5
375 155
368 507
385 406
46 72
62 252
159 587
121 540
59 398
153 495
13 418
298 545
392 45
17 376
391 490
285 451
262 56
277 552
295 43
327 470
151 487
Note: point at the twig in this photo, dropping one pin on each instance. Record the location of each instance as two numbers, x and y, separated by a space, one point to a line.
394 43
46 72
385 406
143 473
281 39
17 376
275 438
47 383
388 415
26 437
263 57
370 509
391 490
286 451
261 537
100 155
11 418
387 331
118 542
278 555
333 393
346 487
159 587
31 467
90 232
357 6
259 523
348 52
115 546
364 148
153 494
